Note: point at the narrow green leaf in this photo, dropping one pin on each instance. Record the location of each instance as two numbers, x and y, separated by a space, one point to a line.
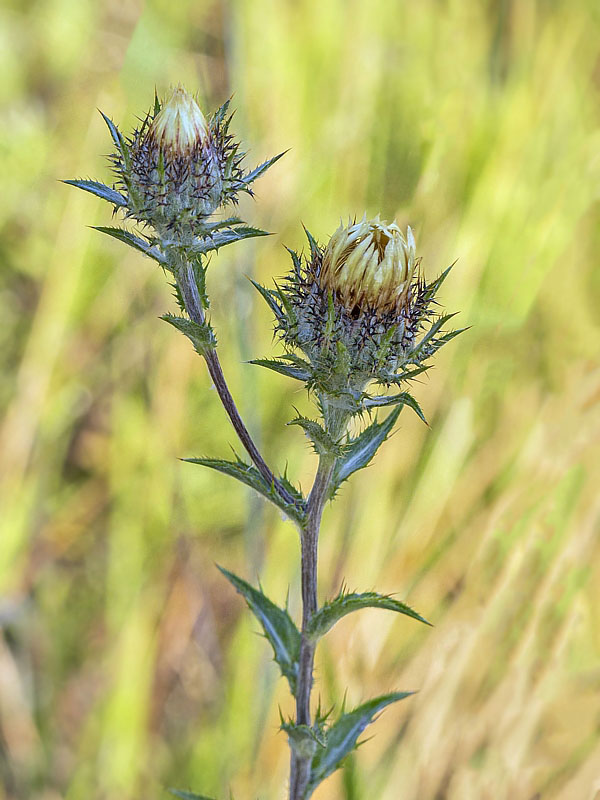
270 299
422 348
285 302
293 492
314 247
250 476
343 735
326 617
214 241
116 136
219 115
404 398
359 451
133 241
295 259
290 370
322 442
201 336
280 630
250 177
438 342
189 795
409 374
447 337
100 190
432 288
209 227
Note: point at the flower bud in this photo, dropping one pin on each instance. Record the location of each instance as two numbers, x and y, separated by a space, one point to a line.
355 306
175 169
360 314
370 265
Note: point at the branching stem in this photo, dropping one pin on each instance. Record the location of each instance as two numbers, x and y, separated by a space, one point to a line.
193 306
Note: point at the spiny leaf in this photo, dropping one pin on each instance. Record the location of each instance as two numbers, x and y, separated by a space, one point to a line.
118 140
250 177
322 442
250 476
114 131
409 374
133 241
326 617
283 635
438 342
100 190
404 398
219 114
343 735
441 340
432 288
214 241
209 227
189 795
269 297
292 490
199 267
201 336
303 739
314 247
285 302
295 259
290 370
359 451
421 350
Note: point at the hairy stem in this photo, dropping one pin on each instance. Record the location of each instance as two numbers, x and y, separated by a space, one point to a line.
193 306
300 762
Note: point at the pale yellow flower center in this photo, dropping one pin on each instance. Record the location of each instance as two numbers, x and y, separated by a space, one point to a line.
180 124
370 263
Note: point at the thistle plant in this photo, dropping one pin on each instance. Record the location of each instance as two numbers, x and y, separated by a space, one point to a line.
356 322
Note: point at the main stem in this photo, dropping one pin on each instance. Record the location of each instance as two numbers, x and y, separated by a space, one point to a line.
193 306
301 762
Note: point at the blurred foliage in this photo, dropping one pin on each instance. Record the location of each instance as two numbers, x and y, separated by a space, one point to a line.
127 662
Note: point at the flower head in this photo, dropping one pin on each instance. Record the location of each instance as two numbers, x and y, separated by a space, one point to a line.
174 174
180 167
359 312
370 264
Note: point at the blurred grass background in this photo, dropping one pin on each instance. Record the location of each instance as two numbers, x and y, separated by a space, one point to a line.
126 662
